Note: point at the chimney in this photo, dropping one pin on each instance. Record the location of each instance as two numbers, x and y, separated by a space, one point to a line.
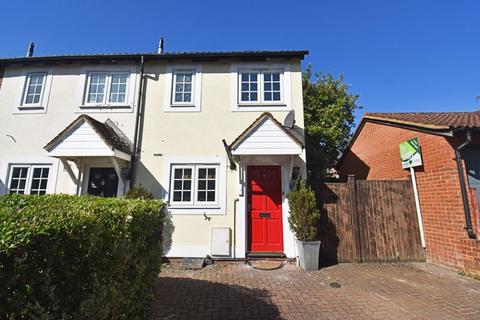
31 47
160 45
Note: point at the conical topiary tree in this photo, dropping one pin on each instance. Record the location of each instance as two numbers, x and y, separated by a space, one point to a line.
304 213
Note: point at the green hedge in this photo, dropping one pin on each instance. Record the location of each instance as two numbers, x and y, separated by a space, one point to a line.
69 257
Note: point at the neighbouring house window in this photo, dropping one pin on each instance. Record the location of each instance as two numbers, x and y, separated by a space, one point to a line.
29 179
183 81
105 88
195 184
260 86
34 88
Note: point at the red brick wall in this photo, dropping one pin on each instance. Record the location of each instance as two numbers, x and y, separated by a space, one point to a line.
375 156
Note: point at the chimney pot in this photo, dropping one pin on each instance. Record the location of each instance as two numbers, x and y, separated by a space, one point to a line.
31 47
160 45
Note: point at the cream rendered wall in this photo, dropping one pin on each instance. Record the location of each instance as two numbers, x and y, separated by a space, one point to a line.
197 134
32 131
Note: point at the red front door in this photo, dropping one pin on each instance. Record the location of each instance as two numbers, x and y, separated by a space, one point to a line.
265 209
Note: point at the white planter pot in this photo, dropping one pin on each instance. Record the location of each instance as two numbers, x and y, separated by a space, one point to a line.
308 254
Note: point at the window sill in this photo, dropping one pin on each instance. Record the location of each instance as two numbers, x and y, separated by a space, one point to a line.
30 109
106 108
197 211
182 108
261 107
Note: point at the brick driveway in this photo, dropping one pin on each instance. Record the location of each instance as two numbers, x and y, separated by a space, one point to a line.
346 291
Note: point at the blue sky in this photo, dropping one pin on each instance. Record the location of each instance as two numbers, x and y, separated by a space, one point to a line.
409 55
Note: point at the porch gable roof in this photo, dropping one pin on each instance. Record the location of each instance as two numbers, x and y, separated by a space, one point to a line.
266 135
105 139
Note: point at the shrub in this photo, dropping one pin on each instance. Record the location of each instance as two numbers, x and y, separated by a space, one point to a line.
69 257
304 213
138 192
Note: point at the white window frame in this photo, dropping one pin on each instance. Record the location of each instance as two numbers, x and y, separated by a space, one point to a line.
27 86
195 167
29 178
191 103
170 77
285 103
106 95
41 106
106 105
213 208
260 87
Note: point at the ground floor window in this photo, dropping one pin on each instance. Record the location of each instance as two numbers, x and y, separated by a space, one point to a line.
194 184
29 179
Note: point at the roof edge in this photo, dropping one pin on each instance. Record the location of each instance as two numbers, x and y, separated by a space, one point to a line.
149 56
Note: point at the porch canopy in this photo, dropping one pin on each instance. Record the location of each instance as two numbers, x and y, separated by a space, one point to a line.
86 137
267 136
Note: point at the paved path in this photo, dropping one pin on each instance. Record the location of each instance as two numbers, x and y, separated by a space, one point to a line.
346 291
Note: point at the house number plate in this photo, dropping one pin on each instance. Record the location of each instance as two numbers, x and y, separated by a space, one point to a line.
264 214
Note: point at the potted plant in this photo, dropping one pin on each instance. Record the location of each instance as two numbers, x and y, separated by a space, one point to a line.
304 219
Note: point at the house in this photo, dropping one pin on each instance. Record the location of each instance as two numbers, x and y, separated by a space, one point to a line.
448 181
218 135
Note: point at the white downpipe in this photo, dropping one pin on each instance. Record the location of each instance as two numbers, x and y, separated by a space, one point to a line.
417 205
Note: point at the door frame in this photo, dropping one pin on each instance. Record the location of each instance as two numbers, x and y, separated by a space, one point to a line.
248 224
88 163
286 162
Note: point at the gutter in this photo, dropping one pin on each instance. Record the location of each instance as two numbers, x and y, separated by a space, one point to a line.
463 188
136 138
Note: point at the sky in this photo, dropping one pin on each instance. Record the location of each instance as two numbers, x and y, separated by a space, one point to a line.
399 56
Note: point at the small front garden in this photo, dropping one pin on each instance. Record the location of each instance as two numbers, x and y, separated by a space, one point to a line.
69 257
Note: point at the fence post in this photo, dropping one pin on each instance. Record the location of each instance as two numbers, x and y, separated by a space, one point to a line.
352 193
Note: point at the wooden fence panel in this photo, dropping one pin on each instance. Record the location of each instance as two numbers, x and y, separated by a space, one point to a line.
368 221
336 224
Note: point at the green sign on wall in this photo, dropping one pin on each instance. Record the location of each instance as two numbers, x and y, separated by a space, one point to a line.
410 153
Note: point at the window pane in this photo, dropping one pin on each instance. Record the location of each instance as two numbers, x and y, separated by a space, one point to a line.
211 196
202 196
177 196
35 83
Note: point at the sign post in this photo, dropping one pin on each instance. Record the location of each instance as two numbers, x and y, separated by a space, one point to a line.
411 157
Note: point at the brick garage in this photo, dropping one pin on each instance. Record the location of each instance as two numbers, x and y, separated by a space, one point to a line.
373 154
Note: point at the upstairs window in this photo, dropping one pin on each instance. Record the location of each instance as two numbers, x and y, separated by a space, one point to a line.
34 88
183 83
260 86
29 179
107 88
